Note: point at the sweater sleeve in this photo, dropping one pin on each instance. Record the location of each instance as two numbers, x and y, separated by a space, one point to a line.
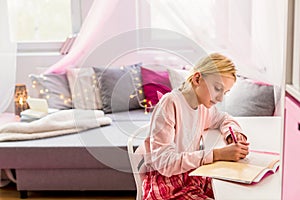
222 121
163 154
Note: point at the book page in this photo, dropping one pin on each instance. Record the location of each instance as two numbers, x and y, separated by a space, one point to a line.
265 172
261 159
253 167
232 171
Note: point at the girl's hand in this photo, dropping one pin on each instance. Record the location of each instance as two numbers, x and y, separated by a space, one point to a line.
232 152
239 137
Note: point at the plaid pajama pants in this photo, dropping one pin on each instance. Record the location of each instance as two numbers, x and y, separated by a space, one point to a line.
181 187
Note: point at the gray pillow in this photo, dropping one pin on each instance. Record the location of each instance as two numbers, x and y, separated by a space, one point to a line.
247 98
120 87
54 88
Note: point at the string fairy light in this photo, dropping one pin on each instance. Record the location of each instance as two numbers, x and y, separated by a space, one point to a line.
46 92
138 92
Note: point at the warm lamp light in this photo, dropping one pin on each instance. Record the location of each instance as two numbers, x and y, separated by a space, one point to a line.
20 98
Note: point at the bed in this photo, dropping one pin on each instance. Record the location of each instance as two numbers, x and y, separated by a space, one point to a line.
94 159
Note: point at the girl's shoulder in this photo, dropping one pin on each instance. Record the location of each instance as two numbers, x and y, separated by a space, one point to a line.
167 104
173 96
173 99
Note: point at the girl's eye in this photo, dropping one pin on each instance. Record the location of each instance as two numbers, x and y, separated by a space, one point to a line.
218 89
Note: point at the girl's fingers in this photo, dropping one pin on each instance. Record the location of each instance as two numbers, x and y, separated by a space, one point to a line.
245 148
244 143
229 140
243 156
245 152
240 137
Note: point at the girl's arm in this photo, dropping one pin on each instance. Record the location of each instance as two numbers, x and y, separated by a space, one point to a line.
163 154
222 121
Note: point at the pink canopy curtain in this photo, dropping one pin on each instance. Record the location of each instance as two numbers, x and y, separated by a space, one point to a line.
91 34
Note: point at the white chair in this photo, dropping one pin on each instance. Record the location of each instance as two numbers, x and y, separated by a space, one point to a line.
136 157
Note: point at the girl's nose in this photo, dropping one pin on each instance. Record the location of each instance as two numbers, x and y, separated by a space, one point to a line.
220 97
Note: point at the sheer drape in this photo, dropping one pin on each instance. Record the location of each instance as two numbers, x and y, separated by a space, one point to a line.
7 58
195 19
249 31
91 34
268 39
215 25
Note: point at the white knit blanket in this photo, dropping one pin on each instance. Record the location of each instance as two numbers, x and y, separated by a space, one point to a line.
58 123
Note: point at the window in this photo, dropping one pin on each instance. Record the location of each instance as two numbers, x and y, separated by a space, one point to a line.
193 19
199 15
39 25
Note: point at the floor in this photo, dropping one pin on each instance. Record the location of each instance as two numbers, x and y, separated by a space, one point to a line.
9 193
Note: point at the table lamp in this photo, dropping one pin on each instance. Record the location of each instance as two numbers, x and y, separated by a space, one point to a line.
20 98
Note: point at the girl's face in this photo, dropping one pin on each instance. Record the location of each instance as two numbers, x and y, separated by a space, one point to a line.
212 88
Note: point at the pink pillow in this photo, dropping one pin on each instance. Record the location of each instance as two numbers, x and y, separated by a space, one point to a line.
153 82
257 82
159 95
261 83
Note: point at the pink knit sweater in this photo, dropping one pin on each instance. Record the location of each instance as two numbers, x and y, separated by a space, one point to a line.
173 143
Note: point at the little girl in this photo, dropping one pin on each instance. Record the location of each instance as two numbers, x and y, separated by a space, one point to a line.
177 124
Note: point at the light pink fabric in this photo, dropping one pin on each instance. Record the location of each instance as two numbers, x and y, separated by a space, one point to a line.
179 187
159 95
261 83
91 34
173 145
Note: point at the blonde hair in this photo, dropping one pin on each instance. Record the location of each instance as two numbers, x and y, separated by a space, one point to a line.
214 63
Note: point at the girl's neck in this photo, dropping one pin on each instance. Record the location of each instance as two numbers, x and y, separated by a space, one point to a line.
190 96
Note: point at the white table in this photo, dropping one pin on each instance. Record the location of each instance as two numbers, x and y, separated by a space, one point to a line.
264 133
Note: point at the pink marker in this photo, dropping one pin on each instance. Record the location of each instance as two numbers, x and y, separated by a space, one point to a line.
232 135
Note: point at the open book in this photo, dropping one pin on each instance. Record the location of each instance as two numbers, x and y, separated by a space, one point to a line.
38 109
249 170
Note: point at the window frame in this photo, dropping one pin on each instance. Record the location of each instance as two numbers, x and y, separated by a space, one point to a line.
292 76
296 48
54 46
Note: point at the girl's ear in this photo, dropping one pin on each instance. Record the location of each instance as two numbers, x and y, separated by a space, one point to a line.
196 78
